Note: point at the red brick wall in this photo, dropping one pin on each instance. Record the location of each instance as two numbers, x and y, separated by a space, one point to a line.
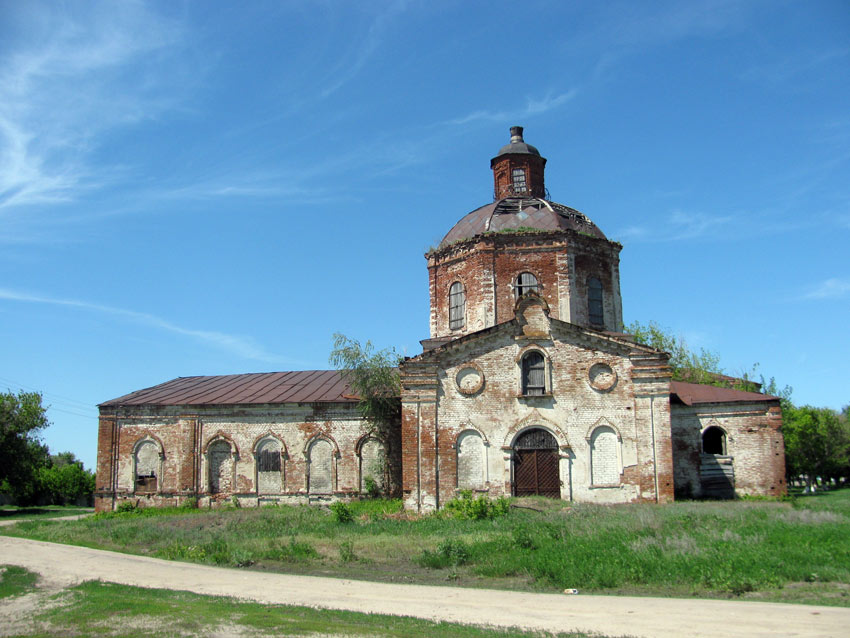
488 267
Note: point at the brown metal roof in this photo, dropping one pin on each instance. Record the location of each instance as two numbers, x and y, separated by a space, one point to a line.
520 213
307 386
694 393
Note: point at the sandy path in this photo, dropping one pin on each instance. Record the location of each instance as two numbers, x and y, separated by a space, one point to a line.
615 616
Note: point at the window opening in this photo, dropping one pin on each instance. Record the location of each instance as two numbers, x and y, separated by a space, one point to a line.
518 177
714 441
457 306
526 283
594 301
533 374
147 464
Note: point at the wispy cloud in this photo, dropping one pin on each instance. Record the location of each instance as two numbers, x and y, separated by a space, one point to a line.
75 72
829 289
680 225
533 106
238 345
350 66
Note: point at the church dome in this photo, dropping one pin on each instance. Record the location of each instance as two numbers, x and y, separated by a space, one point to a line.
521 213
517 145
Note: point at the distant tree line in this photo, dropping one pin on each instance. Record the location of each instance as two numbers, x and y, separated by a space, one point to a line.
817 440
28 472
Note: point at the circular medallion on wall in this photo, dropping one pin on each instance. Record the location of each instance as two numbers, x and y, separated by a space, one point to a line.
469 379
602 377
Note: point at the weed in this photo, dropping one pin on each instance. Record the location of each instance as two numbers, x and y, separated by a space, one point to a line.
466 506
346 552
190 503
373 490
450 552
342 512
128 507
291 552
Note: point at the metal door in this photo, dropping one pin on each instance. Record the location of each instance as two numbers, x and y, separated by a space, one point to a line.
536 465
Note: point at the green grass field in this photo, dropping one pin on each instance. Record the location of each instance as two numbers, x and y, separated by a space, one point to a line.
793 551
96 608
12 512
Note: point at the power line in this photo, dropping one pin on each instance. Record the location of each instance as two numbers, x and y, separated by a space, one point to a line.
67 400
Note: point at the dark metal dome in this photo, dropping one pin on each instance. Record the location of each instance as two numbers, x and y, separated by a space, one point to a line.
521 213
517 144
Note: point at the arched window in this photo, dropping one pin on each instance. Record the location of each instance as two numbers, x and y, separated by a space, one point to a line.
470 461
714 441
221 467
321 470
604 457
533 374
457 306
519 182
526 283
269 467
372 465
147 467
594 302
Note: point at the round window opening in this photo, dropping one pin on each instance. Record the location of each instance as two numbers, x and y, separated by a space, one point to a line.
602 377
469 379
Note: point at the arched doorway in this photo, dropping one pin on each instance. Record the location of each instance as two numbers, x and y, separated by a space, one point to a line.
536 464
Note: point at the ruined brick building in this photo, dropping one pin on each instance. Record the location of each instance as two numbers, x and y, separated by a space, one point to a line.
526 386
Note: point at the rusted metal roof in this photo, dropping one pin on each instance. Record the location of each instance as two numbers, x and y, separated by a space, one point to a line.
694 393
518 213
307 386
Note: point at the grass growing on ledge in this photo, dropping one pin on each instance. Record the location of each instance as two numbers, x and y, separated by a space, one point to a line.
795 551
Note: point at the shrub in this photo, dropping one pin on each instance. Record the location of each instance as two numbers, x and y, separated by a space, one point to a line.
341 512
466 506
190 503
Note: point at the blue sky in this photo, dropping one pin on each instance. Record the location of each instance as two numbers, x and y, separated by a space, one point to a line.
217 187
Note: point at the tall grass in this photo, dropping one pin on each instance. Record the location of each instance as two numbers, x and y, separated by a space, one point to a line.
686 547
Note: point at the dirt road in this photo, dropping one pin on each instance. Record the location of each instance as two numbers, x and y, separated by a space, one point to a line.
610 615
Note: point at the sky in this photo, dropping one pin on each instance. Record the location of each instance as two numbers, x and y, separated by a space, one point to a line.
200 188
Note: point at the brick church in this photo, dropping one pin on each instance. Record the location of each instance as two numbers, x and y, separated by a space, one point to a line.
526 386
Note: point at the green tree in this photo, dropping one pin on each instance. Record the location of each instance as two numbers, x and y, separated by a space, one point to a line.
22 417
372 375
65 481
685 365
703 367
817 443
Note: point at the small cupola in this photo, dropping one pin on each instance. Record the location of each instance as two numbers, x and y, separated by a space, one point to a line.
518 169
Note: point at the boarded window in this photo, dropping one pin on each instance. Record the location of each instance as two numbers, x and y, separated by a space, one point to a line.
470 461
372 464
518 177
594 302
457 306
269 475
714 441
321 453
526 283
147 467
221 467
533 374
604 457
